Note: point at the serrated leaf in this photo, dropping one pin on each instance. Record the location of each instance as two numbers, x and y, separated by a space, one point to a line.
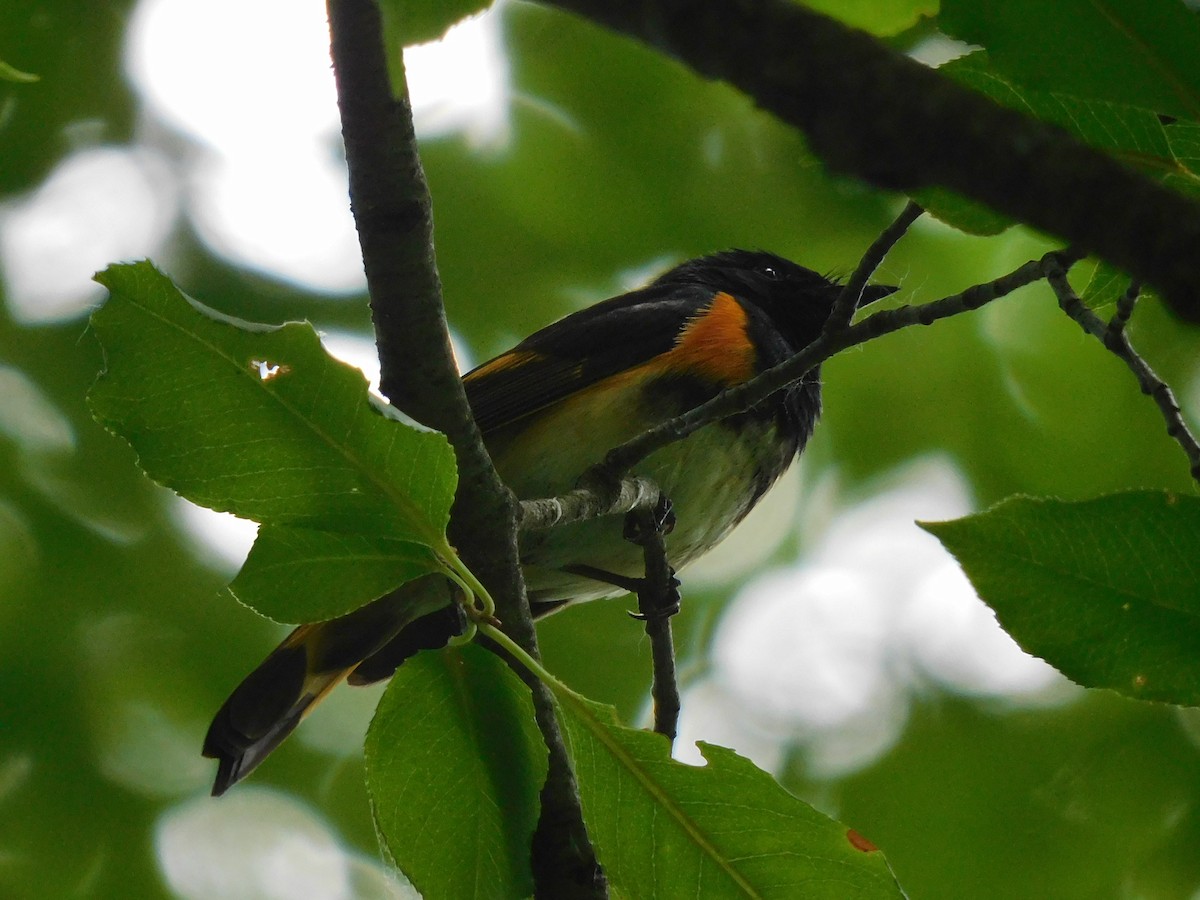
455 765
1129 51
959 212
307 575
1105 287
1106 590
1134 135
663 829
260 421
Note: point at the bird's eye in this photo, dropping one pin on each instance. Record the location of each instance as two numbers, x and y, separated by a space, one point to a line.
770 272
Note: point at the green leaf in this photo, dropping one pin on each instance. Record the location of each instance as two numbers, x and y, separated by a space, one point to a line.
306 575
261 421
1138 52
1183 137
1106 285
664 829
880 17
1134 135
959 212
418 21
1106 590
8 73
455 765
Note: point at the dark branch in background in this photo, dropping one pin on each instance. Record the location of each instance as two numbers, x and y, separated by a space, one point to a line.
393 214
874 113
1112 335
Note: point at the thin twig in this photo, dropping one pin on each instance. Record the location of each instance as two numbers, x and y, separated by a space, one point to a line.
639 499
1125 307
658 601
1114 338
579 505
848 299
392 211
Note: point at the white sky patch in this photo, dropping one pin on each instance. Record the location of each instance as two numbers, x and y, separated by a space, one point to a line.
282 211
97 206
223 539
29 418
359 351
461 83
268 189
258 844
828 653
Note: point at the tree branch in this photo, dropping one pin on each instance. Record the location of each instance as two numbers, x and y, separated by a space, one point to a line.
874 113
847 301
1112 335
579 505
393 214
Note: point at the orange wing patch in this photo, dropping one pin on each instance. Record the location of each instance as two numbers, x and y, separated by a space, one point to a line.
714 344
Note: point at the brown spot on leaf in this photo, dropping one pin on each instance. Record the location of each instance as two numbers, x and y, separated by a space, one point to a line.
858 842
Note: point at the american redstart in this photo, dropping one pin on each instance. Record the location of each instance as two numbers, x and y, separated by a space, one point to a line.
551 407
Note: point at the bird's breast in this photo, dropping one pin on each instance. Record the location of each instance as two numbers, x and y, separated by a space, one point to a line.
713 478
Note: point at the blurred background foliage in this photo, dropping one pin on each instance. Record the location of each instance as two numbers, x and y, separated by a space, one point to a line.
830 640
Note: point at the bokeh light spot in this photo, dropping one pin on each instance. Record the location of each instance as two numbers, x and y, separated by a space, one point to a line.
257 844
827 654
266 182
97 206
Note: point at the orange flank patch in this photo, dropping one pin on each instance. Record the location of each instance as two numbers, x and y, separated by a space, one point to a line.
511 360
714 344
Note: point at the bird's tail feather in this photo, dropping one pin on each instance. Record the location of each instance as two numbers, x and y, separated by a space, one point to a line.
268 705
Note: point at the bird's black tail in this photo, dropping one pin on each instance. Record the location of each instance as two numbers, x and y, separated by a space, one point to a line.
365 646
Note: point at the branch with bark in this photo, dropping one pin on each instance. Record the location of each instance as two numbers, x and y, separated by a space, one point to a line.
874 113
393 214
1113 336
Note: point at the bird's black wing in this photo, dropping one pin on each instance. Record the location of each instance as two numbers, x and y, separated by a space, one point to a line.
580 350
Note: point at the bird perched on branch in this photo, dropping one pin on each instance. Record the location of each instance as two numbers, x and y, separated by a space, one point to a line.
548 409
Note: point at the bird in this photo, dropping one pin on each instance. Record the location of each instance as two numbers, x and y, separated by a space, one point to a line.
548 409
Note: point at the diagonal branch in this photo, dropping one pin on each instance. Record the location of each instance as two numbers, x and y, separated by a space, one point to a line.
874 113
847 301
1113 336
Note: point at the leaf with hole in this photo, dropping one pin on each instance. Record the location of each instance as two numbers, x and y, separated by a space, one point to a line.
260 421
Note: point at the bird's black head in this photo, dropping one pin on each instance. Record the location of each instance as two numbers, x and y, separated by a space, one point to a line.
797 300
